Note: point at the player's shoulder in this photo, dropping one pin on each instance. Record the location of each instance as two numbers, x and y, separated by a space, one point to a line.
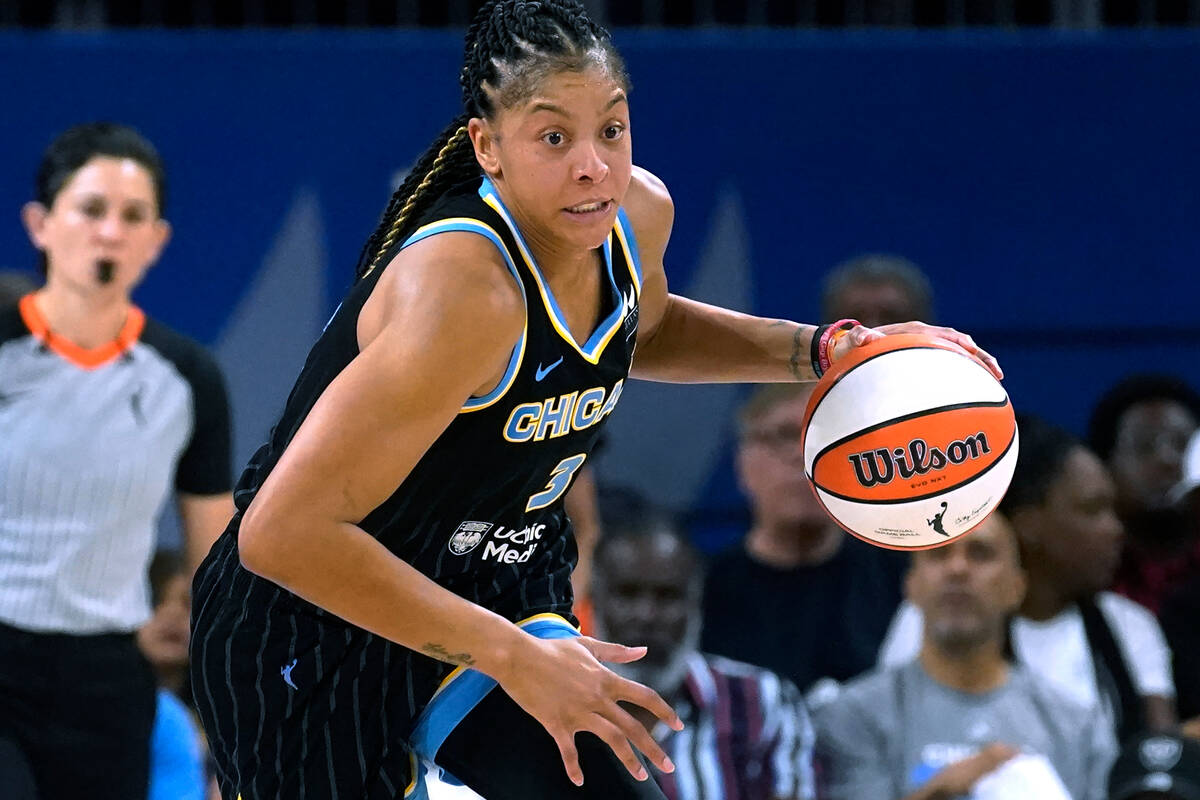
456 271
650 209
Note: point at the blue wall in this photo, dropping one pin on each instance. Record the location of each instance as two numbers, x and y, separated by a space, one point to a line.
1047 182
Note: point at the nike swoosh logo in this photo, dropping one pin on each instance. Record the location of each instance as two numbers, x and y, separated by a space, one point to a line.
544 371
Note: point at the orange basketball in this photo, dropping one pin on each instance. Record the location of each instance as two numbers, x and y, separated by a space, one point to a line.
909 442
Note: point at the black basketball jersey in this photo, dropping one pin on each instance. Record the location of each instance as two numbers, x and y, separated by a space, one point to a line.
482 511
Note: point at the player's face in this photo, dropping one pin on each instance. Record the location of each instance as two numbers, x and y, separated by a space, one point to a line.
646 595
103 228
771 469
1077 531
563 158
966 589
1147 459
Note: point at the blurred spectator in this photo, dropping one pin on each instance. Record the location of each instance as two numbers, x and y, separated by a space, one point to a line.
13 286
1157 767
1180 615
1097 647
176 746
1140 427
877 290
961 718
747 733
104 414
797 595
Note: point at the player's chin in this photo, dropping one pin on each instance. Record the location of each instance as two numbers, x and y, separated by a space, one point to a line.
589 229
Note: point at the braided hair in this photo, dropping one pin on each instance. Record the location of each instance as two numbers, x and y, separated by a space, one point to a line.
510 48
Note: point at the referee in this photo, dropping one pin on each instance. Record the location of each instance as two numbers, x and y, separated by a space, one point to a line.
103 413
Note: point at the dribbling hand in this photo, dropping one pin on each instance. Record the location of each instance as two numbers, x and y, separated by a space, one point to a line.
562 684
861 335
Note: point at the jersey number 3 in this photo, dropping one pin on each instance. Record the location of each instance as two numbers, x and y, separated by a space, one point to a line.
560 479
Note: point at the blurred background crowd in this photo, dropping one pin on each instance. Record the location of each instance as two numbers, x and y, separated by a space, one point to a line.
1027 176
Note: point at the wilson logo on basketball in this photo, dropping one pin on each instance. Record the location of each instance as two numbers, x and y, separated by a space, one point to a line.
881 466
915 457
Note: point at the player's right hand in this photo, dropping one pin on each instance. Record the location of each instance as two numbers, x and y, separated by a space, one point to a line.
562 684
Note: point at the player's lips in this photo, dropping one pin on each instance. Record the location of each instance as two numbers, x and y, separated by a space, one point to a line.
589 207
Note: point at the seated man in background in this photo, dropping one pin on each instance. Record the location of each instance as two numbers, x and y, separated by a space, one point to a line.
961 717
797 595
1140 428
1101 648
747 735
877 290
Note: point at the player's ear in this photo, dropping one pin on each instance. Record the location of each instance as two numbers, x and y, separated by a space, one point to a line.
484 140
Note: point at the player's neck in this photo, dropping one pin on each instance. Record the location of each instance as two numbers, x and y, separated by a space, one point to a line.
561 265
784 546
975 670
559 261
87 319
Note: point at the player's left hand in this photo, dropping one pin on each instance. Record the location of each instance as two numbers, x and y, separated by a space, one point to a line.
860 335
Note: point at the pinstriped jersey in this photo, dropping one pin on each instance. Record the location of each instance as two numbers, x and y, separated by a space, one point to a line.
482 511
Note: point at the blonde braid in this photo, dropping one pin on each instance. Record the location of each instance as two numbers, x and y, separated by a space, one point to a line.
394 229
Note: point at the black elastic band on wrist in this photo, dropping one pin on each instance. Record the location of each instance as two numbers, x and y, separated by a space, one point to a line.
813 355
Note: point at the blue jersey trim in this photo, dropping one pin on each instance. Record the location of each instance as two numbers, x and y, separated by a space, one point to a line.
464 688
483 229
632 254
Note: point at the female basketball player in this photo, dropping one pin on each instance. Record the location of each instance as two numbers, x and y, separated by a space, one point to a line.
401 546
103 414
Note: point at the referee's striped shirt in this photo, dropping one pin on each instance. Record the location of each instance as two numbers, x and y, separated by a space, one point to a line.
92 443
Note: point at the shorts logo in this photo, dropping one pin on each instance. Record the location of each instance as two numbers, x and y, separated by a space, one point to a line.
468 536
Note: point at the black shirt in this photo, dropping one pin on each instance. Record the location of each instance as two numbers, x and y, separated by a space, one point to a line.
805 622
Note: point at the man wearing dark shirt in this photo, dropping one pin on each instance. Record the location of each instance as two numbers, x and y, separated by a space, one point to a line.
797 595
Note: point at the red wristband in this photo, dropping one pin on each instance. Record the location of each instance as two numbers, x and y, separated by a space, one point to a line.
829 338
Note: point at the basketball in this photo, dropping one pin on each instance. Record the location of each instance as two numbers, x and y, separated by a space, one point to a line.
909 442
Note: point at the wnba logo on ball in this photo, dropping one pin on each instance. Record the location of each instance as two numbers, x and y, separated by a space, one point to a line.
880 466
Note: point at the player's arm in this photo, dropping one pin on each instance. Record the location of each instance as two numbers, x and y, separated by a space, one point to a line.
440 328
686 341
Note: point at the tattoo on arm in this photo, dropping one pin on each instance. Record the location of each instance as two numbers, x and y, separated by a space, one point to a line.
797 354
442 654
